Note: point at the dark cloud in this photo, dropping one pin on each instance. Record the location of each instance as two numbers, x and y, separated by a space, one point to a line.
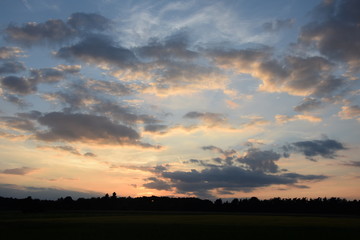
99 50
18 123
88 21
308 104
263 161
332 21
53 75
121 113
155 128
32 115
353 164
228 178
209 118
16 191
325 148
304 177
86 128
172 47
68 149
109 87
18 171
11 67
28 85
9 52
157 184
15 100
89 154
278 24
18 85
230 173
56 30
51 31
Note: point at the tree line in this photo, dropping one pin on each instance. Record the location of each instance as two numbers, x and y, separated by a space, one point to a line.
247 205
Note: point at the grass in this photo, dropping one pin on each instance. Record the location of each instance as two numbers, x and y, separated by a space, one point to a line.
145 225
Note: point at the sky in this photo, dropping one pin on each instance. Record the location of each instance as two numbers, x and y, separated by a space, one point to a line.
209 99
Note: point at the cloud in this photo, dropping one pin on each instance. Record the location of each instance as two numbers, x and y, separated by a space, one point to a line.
11 67
18 123
99 50
15 100
157 184
294 75
18 85
17 191
353 164
51 31
28 85
18 171
258 160
350 112
325 148
333 20
211 119
85 128
282 119
68 149
278 24
255 121
155 128
308 104
229 173
172 47
228 178
56 30
85 22
10 52
53 75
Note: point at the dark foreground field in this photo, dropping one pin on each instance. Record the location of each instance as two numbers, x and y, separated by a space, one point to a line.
146 225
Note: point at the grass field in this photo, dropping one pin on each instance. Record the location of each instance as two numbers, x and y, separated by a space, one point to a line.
142 225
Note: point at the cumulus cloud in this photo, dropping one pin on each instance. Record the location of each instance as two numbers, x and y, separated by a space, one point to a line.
294 75
18 171
99 50
53 30
85 128
333 20
350 112
229 173
326 148
172 47
56 30
18 123
18 85
258 160
28 85
10 52
155 183
11 67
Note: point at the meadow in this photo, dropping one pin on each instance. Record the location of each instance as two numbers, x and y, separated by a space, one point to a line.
174 225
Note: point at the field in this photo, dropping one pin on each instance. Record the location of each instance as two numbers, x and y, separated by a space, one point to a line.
147 225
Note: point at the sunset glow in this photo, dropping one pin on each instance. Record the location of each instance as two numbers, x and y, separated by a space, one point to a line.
211 99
